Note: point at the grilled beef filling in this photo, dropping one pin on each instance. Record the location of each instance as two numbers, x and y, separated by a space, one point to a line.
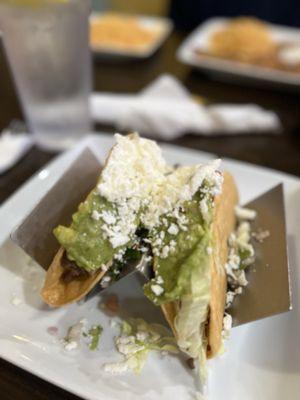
71 270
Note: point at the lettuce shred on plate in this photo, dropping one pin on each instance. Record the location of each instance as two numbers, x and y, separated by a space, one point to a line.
137 338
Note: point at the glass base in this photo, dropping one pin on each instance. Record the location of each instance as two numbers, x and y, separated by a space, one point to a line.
52 143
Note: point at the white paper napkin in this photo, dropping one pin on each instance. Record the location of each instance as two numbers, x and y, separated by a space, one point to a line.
165 109
12 148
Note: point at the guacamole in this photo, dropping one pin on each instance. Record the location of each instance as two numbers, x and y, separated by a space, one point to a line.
184 275
85 241
189 253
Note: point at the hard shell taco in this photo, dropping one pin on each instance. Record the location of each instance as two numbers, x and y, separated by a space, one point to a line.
180 218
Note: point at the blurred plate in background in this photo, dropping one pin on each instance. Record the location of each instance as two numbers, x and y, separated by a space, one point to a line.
234 70
127 36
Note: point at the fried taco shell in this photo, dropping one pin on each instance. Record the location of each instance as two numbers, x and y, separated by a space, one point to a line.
223 224
56 292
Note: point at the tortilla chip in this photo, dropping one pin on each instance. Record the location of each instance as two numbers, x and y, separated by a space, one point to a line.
223 224
58 293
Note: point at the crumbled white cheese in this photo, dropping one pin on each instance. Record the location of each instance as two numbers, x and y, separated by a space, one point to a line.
227 321
209 250
172 244
239 243
229 298
227 325
159 280
245 213
230 295
165 251
118 236
108 217
133 166
135 345
204 209
241 278
173 229
243 233
261 235
157 289
104 267
16 301
233 262
130 347
96 215
236 276
165 221
113 323
238 290
141 186
208 172
199 396
69 346
157 240
178 187
117 367
105 281
72 340
120 254
243 236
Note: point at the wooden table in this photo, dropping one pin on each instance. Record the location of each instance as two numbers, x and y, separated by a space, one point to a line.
275 151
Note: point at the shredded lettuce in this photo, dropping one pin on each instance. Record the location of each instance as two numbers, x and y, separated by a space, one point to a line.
137 338
192 314
185 277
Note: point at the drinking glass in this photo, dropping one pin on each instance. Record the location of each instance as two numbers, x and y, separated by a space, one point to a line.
47 46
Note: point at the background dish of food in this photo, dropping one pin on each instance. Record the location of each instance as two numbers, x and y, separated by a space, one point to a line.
126 35
279 67
265 352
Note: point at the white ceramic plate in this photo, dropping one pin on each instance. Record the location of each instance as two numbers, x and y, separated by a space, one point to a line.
263 358
163 27
198 39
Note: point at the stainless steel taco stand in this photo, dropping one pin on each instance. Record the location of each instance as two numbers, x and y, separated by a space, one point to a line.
268 292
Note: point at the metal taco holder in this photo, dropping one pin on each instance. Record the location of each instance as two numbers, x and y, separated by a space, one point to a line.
268 291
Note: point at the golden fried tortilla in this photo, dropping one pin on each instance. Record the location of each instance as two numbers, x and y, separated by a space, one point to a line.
58 293
223 224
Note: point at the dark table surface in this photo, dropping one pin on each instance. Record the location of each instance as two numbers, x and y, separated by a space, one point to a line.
280 151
